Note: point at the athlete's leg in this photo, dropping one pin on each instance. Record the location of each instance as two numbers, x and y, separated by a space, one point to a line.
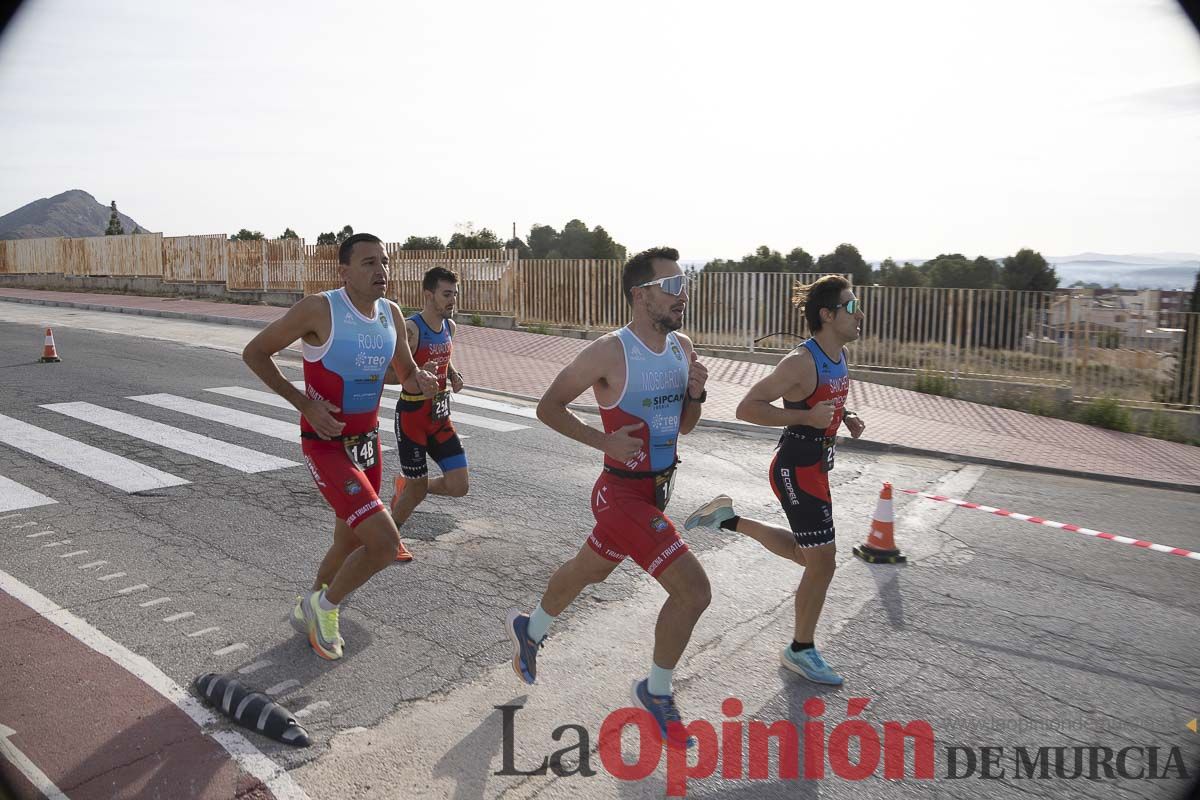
586 568
779 541
409 498
688 594
379 538
454 483
345 542
819 566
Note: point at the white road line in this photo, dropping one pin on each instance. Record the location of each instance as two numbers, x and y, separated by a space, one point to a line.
14 495
179 616
156 602
267 426
111 577
39 534
203 631
10 516
234 456
94 564
317 706
249 757
286 686
41 782
131 589
114 470
255 667
266 399
233 648
59 543
73 553
24 525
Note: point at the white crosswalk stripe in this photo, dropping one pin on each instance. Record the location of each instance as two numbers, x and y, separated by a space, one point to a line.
234 456
116 471
14 496
267 426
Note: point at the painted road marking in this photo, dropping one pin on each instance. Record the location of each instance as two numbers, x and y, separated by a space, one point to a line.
14 495
317 706
73 553
111 577
1112 537
483 422
27 768
233 648
285 686
179 616
266 399
101 465
203 631
132 589
39 534
248 757
256 423
255 667
156 602
94 564
234 456
24 525
59 543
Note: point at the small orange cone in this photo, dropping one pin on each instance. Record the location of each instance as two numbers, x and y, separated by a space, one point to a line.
49 353
880 547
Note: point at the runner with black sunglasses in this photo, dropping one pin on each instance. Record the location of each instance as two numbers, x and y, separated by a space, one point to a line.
813 382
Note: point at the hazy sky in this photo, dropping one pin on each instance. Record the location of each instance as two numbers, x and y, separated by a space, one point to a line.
907 129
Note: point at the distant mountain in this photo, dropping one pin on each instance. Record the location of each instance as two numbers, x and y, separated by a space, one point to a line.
1139 259
73 213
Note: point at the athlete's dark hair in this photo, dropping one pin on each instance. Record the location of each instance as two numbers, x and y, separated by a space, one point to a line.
436 275
640 268
821 293
347 247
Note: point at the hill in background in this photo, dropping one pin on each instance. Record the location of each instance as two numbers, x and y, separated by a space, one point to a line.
72 213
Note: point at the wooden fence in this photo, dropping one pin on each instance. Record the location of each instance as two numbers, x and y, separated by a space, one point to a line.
1055 338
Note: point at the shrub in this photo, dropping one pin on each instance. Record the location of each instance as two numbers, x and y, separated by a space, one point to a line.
933 383
1107 412
477 320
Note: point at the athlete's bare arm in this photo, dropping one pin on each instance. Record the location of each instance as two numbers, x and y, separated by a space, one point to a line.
308 319
600 365
402 367
697 377
454 376
795 375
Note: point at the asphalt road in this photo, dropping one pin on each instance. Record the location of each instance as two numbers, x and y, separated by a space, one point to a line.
997 633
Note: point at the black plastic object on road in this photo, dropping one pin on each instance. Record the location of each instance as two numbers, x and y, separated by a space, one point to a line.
253 710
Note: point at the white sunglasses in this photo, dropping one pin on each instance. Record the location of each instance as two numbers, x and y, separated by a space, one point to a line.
673 284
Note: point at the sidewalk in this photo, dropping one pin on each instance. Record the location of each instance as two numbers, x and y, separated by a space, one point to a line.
521 363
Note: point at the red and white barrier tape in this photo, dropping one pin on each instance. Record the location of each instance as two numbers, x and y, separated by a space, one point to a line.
1162 548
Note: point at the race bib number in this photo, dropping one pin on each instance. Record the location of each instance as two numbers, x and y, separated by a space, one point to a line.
663 485
363 450
828 453
441 405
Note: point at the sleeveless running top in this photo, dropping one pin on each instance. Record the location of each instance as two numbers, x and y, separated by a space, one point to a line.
833 383
655 384
348 369
433 346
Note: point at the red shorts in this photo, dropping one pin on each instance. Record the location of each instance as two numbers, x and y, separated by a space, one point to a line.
353 494
628 523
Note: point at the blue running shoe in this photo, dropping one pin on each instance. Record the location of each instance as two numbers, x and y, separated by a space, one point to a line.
662 708
711 514
525 650
809 664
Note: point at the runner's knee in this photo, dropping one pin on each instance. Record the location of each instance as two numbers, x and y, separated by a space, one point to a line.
821 561
457 484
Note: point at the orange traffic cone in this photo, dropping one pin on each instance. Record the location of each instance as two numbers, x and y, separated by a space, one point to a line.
49 354
880 547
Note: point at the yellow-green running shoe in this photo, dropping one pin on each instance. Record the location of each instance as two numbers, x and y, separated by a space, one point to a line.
322 627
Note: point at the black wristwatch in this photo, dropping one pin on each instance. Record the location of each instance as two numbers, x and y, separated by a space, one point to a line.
703 396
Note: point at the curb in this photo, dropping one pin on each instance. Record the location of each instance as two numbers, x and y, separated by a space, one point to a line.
142 312
864 445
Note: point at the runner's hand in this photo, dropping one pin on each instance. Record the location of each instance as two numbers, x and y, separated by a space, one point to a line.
622 445
697 376
319 414
856 426
427 380
820 415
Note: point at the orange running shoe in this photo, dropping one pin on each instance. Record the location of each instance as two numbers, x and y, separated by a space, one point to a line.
403 554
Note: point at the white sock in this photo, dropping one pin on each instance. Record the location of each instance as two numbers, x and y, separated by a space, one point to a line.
539 623
324 604
660 680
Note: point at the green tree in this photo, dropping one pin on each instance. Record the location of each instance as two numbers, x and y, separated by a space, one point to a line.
846 259
956 271
604 246
907 275
542 240
345 233
288 233
1028 270
327 238
517 244
115 228
245 235
799 260
423 243
482 239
